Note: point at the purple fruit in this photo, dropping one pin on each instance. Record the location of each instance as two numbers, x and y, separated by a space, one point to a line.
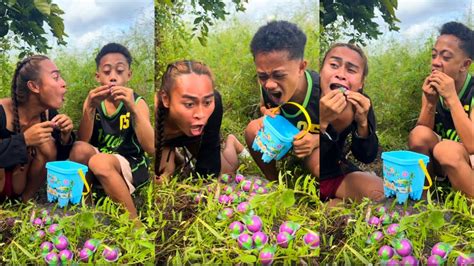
262 190
53 229
245 241
38 222
381 210
47 220
409 261
44 213
233 198
253 223
246 185
92 244
385 219
110 254
258 181
40 234
85 254
283 238
236 228
65 256
266 255
198 198
60 242
227 190
375 237
393 229
386 252
395 216
434 260
223 199
289 227
259 239
441 249
392 262
226 213
311 239
51 258
403 247
46 247
225 178
374 221
239 178
462 260
243 207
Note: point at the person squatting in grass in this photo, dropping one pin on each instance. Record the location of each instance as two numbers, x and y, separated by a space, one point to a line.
32 132
445 126
278 52
115 121
345 110
189 114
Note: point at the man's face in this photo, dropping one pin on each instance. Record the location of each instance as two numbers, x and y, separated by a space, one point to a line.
448 57
343 67
278 75
113 70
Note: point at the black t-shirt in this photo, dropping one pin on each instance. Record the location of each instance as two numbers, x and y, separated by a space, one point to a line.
332 161
310 103
208 156
444 124
13 150
114 134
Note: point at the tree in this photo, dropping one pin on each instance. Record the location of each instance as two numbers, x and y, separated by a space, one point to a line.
354 18
22 25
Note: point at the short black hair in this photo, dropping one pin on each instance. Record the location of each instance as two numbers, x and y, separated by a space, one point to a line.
113 48
279 36
463 33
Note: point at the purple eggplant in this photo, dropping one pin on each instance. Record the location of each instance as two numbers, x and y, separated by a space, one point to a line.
441 249
393 229
464 260
253 223
226 213
236 228
259 239
110 254
239 178
386 252
46 247
65 256
266 255
225 178
311 239
60 242
409 261
92 244
289 227
434 260
85 255
375 237
243 207
51 258
245 241
374 221
283 239
403 247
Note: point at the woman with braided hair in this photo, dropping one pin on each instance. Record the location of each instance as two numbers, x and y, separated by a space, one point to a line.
31 130
189 114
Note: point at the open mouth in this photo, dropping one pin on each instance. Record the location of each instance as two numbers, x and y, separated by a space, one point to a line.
275 96
196 130
337 86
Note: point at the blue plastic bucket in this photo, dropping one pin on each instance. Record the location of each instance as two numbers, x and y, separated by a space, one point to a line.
404 174
66 181
275 138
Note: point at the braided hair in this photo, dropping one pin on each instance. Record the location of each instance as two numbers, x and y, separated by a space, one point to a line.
26 70
168 81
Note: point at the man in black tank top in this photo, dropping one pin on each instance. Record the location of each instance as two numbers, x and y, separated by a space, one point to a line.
445 127
278 50
116 121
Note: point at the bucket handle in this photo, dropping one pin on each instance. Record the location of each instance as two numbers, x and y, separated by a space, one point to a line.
423 167
81 174
305 113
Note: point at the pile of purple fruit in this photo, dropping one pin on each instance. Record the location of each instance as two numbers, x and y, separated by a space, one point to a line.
55 246
401 246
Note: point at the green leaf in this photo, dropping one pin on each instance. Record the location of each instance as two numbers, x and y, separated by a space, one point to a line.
436 219
246 259
288 198
43 6
86 219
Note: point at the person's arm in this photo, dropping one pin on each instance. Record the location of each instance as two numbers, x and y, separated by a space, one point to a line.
429 99
141 124
365 148
93 100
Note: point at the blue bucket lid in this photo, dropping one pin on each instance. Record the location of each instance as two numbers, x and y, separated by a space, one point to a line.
66 167
404 157
281 127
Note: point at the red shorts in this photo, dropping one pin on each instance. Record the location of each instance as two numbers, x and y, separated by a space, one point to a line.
328 187
7 191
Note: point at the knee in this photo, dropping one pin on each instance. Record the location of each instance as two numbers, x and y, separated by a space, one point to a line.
448 153
46 152
81 152
419 138
101 165
252 129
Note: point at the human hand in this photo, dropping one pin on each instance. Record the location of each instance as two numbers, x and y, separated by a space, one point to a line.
361 104
430 95
38 133
97 95
125 95
331 105
443 84
303 147
271 112
65 126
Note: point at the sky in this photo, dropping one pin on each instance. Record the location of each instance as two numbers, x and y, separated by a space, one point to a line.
88 22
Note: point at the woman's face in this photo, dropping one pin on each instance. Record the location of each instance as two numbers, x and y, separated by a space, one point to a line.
190 104
52 86
343 67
